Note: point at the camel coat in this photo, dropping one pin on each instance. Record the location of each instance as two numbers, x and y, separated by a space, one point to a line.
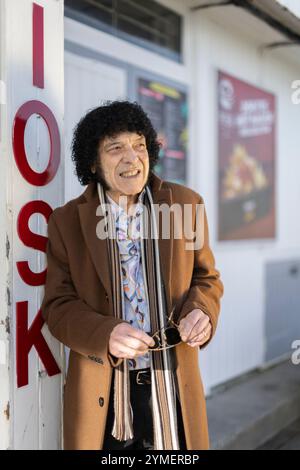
77 307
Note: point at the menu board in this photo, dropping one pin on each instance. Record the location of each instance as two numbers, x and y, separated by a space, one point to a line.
166 107
246 176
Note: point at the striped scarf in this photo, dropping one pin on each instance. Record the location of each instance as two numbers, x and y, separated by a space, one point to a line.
162 379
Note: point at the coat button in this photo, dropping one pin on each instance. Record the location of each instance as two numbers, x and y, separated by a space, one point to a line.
101 401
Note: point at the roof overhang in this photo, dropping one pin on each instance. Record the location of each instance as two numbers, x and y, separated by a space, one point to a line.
272 12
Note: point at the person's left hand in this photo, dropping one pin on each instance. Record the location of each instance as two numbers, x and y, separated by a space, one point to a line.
195 328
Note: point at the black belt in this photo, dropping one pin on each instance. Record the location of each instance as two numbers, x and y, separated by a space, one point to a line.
140 376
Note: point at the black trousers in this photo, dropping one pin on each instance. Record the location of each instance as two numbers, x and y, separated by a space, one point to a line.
141 402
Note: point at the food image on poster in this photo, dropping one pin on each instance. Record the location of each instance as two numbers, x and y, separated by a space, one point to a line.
246 131
166 107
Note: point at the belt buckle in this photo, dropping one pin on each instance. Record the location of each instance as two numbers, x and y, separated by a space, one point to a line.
138 380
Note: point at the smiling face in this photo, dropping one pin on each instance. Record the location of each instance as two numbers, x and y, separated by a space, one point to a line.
124 163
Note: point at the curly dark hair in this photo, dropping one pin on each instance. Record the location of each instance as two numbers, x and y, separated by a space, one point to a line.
108 120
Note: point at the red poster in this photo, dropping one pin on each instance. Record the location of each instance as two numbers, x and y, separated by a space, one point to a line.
246 134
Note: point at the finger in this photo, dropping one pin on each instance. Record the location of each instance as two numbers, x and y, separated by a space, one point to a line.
197 344
187 323
125 329
205 332
141 336
201 338
128 353
195 329
186 327
134 343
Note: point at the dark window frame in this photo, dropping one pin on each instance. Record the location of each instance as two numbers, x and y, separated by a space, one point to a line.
118 15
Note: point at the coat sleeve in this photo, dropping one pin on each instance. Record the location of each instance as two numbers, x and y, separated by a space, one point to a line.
206 288
72 321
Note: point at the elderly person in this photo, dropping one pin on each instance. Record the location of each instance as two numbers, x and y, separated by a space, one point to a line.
133 304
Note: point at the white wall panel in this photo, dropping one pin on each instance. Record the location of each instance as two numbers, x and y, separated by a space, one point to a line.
35 408
87 84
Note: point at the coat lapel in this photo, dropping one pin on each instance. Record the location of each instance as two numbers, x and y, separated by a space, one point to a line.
98 248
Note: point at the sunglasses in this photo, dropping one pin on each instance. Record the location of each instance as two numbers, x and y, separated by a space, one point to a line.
166 337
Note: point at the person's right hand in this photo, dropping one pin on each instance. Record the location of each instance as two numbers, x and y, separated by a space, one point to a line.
128 342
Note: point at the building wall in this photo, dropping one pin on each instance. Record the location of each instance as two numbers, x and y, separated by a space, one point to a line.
119 58
240 343
231 41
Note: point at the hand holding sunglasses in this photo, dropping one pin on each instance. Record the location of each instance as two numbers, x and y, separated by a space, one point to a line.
195 328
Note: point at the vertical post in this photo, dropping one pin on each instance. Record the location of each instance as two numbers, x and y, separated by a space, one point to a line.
31 157
5 404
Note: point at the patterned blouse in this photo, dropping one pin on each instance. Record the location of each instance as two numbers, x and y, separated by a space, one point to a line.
134 299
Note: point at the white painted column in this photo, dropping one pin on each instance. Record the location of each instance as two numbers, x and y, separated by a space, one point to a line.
4 271
31 186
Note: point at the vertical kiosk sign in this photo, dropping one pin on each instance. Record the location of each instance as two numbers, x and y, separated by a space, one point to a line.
35 112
